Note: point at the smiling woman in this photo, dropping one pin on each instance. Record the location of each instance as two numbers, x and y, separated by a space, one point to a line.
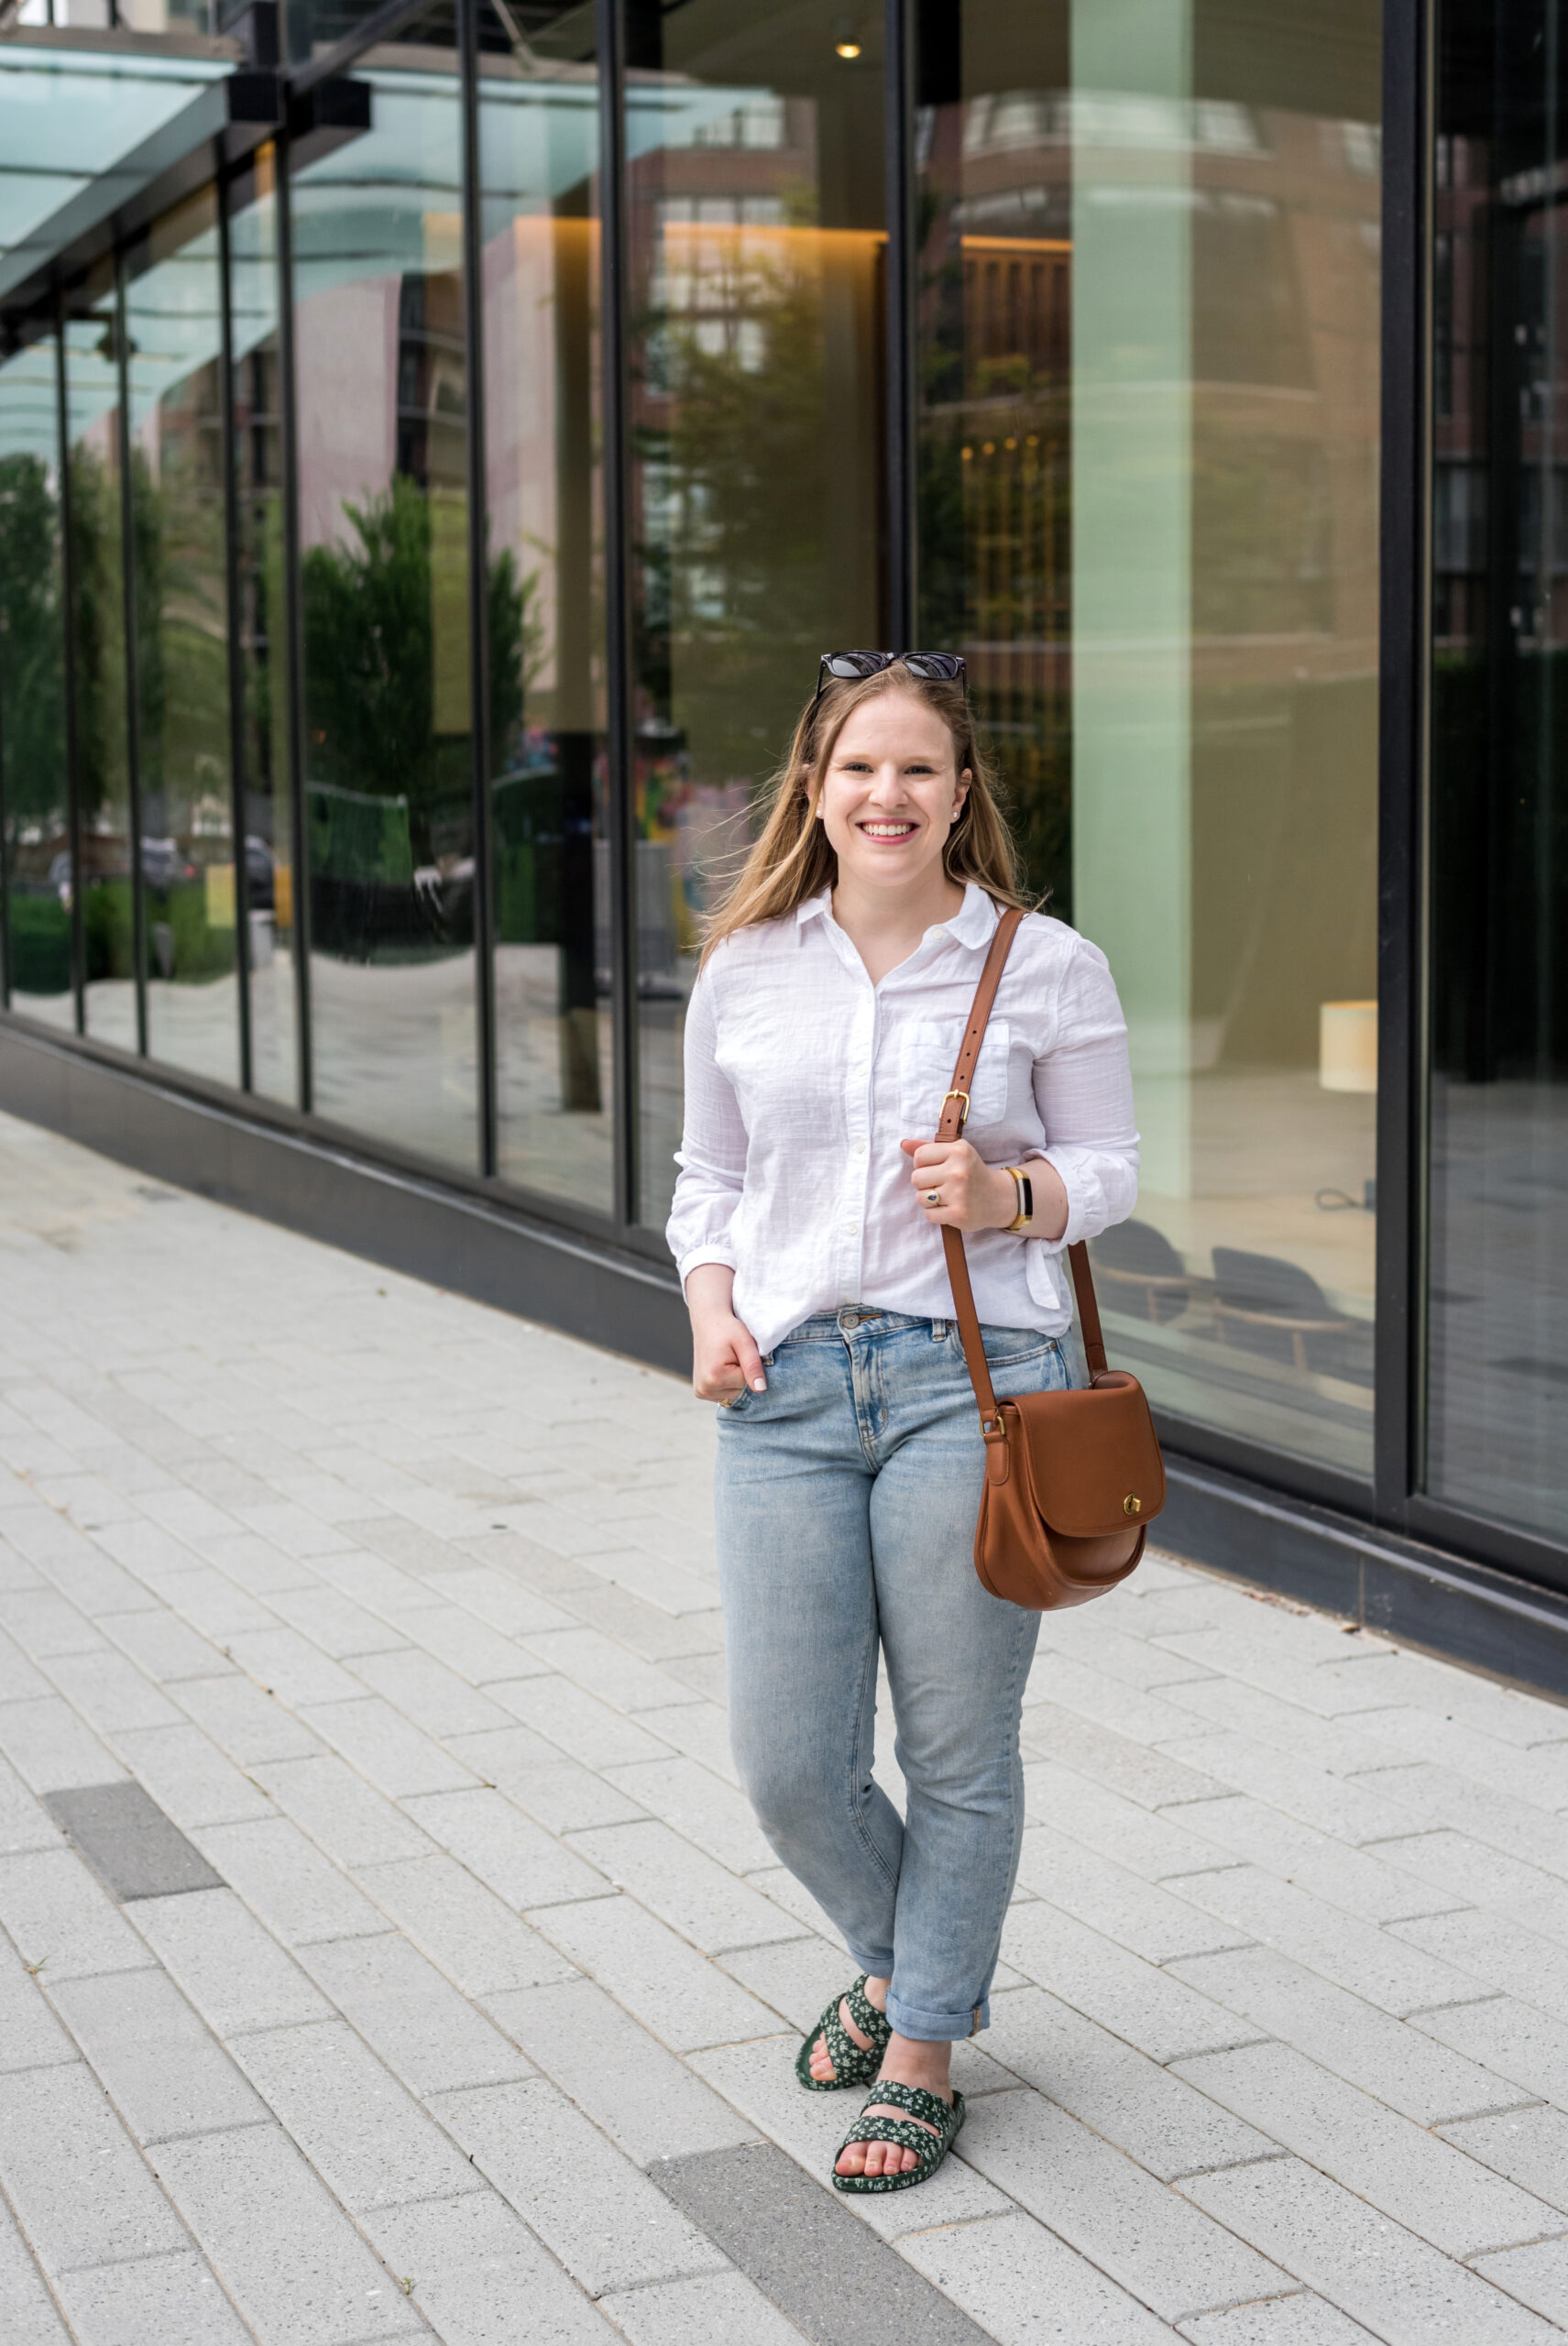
838 979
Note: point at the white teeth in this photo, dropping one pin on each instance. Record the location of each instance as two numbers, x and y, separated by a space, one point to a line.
887 830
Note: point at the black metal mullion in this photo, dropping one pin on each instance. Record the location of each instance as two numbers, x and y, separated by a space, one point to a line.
235 661
293 637
1404 636
478 600
133 658
610 25
68 596
900 123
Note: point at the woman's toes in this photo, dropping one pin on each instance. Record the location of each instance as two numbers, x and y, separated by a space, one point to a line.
852 2159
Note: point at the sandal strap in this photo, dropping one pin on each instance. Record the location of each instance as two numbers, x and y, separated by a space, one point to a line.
902 2131
865 2015
842 2049
916 2101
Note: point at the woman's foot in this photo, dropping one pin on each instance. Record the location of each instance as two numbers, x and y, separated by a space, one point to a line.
821 2060
907 2062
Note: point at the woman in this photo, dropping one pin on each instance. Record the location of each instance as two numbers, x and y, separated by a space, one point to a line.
820 1041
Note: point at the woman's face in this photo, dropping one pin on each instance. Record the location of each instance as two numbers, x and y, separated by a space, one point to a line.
890 792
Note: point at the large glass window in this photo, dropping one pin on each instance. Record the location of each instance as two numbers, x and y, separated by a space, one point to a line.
1148 372
544 587
383 449
1496 1304
173 345
756 271
34 796
94 452
268 852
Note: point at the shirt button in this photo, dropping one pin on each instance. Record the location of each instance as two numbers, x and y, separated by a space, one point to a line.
852 1229
859 1148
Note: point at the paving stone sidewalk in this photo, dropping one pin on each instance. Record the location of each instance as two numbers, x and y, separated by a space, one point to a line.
388 1953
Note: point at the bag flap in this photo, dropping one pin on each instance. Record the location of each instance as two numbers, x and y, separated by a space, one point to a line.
1089 1454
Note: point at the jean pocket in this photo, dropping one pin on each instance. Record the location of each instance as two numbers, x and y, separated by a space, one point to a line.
1017 1347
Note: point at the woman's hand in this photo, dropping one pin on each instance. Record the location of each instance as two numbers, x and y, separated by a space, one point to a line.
724 1359
977 1196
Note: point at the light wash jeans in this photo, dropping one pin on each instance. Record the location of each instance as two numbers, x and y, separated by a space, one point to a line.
846 1500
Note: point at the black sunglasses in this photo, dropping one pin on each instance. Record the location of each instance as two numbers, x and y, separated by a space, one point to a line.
934 667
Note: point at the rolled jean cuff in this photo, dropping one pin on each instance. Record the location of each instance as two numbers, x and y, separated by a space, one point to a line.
875 1967
937 2028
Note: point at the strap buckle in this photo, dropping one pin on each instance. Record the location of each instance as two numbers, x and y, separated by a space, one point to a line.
993 1429
958 1096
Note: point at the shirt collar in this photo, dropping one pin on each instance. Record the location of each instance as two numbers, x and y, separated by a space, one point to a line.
974 923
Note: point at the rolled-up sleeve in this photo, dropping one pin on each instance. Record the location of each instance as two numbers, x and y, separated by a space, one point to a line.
1083 1090
712 1153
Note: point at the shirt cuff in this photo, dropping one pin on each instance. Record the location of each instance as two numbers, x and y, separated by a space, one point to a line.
1067 1172
696 1255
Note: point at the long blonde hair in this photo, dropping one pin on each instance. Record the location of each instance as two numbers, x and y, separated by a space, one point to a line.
794 860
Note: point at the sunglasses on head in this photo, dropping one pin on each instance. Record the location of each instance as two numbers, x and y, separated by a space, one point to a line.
933 667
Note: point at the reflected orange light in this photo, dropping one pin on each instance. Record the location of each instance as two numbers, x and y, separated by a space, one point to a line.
1017 246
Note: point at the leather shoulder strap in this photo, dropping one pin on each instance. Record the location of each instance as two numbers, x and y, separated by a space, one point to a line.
954 1113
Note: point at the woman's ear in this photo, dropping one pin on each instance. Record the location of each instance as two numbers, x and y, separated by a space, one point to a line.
962 793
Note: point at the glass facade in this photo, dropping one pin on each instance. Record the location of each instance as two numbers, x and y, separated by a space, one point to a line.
416 542
1496 1353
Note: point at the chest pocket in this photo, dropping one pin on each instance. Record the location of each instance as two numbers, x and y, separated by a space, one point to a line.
926 1069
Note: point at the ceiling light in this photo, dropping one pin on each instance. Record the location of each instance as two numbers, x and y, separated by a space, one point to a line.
847 48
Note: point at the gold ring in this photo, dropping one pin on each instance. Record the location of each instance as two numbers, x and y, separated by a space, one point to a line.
933 1197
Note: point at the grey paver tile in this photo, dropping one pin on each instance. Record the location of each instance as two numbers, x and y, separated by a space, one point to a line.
435 1698
356 1825
1026 2287
189 1778
1463 1872
1539 1777
45 1624
423 2028
591 2206
299 1894
1231 1706
1437 2194
699 1806
1149 1778
25 1822
388 1748
1344 2032
247 1724
167 2072
1341 1806
1155 1922
1431 1797
165 2300
233 1970
329 2289
675 1991
56 1912
1155 2116
1530 2146
622 1678
1112 2211
463 1926
1362 1881
337 1624
77 2181
29 2316
1073 1682
365 2135
1374 1963
683 1885
1537 2276
1299 2320
1496 1953
475 2265
1400 2290
617 2071
111 1693
1516 2042
649 1630
517 1859
1157 2013
574 1721
699 1730
467 1645
290 1666
494 1596
21 1681
715 2309
51 1749
1149 1841
30 2035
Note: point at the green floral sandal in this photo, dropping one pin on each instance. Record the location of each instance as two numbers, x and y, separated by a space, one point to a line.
853 2065
931 2149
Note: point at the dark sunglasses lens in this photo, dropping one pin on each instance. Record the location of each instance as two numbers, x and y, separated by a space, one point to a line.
847 665
934 666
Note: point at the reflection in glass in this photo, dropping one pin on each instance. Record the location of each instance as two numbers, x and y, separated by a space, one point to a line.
174 338
264 672
98 648
1148 332
539 160
1496 1416
383 410
34 797
756 266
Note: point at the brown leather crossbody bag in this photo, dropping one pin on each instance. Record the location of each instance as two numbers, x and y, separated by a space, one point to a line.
1072 1479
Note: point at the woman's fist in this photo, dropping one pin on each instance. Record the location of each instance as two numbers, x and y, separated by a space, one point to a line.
971 1194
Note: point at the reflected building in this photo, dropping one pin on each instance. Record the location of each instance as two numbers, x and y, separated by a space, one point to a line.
428 478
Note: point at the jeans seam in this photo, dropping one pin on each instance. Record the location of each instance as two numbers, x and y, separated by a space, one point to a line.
856 1812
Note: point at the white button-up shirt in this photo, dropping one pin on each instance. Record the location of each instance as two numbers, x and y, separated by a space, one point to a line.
802 1078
